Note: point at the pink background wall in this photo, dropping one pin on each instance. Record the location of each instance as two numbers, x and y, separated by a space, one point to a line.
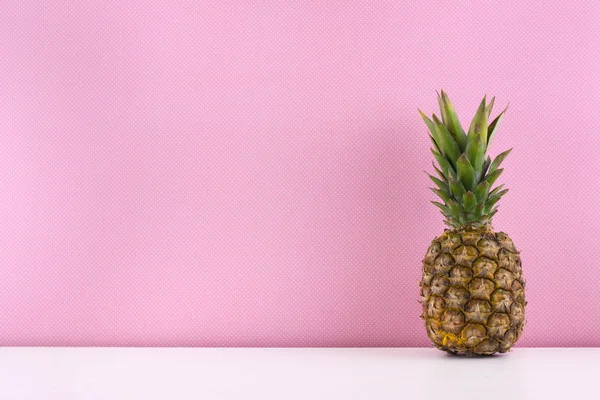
224 174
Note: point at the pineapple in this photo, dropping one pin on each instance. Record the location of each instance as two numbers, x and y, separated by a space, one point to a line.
472 289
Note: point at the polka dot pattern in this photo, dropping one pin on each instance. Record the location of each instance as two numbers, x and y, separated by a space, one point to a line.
250 173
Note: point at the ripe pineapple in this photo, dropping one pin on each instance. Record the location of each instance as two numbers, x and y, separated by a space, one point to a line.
472 290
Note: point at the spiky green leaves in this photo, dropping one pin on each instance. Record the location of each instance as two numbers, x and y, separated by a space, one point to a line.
446 142
478 128
466 172
482 191
494 125
498 160
451 121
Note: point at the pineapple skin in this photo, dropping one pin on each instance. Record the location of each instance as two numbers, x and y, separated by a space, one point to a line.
473 292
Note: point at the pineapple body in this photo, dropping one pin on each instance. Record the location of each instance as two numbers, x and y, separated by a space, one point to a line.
472 291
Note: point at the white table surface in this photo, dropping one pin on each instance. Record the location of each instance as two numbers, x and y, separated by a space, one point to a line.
282 373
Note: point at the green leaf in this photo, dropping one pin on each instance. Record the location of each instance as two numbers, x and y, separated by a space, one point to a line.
478 128
444 164
475 153
498 160
455 208
494 125
478 165
490 204
449 146
442 207
435 145
497 196
496 189
469 201
440 173
482 191
465 172
478 212
431 127
492 213
492 176
489 107
456 188
452 122
439 183
442 194
451 224
486 165
442 108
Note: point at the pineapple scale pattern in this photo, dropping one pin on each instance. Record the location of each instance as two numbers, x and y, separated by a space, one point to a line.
473 292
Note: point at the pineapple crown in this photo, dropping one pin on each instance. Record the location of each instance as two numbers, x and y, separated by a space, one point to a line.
466 172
